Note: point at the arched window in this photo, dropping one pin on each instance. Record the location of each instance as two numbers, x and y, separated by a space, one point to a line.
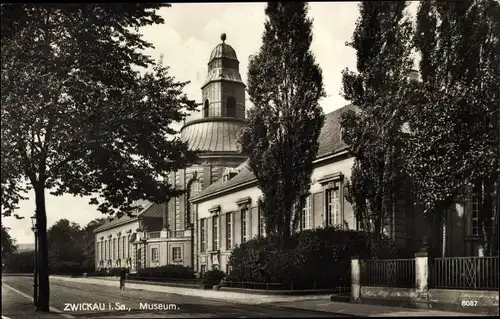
194 190
231 107
205 109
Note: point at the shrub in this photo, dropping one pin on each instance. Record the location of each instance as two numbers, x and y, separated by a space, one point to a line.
167 271
66 268
20 262
213 277
318 258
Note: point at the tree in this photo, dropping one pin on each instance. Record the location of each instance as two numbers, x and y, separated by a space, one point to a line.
65 242
382 43
454 144
281 138
88 242
8 243
80 114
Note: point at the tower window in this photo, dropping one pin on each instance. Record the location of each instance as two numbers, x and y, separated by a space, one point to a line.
205 109
231 107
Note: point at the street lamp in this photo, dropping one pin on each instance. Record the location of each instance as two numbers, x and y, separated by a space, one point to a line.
35 271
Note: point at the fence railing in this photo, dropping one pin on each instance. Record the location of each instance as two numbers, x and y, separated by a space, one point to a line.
256 285
474 273
154 235
176 234
388 273
166 280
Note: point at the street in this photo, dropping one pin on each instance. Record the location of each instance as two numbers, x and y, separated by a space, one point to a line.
88 300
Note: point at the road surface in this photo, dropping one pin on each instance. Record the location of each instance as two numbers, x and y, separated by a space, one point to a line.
84 300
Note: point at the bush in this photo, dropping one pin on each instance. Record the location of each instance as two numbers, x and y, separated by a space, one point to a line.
213 277
111 272
20 262
67 268
167 271
319 258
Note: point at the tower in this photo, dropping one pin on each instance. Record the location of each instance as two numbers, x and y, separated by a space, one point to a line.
215 134
223 91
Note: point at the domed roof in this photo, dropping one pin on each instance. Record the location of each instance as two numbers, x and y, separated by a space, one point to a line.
223 50
213 134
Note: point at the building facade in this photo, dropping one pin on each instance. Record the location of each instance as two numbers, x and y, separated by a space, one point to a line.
169 239
228 213
219 210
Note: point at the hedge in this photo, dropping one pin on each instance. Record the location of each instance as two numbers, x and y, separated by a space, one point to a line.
167 271
316 259
213 277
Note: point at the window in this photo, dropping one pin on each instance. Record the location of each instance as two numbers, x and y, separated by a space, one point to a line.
176 254
195 189
231 106
124 246
244 225
306 212
205 108
98 251
229 231
128 246
155 254
105 250
215 233
475 225
115 249
177 215
119 247
262 223
203 229
332 206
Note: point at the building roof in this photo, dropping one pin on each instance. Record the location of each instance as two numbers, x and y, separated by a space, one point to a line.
148 210
213 134
223 50
330 141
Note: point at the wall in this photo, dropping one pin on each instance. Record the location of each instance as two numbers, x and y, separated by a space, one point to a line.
114 233
165 254
228 205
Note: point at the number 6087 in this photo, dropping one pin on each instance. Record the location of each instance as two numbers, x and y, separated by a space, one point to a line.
469 303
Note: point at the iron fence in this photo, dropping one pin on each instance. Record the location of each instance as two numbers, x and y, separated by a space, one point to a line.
388 273
165 280
474 273
256 285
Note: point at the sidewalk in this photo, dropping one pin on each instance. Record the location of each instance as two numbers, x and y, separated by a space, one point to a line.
16 305
361 310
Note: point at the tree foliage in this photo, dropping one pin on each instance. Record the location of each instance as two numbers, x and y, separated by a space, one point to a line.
78 116
281 139
71 243
65 242
379 90
454 143
8 243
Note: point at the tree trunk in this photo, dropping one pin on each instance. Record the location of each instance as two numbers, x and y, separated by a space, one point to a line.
43 266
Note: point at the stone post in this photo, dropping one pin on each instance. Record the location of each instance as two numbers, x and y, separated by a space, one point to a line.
422 275
355 279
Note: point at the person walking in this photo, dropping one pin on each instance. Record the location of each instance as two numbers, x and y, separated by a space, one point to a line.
123 276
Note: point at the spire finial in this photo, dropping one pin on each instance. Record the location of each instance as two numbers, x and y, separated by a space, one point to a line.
223 37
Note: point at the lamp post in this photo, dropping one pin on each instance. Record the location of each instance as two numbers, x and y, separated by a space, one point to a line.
35 271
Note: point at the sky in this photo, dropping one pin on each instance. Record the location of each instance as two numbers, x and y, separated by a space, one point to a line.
186 39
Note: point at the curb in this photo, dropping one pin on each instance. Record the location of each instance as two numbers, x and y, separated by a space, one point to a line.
340 314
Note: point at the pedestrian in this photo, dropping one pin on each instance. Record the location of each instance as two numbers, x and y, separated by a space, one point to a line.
123 275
